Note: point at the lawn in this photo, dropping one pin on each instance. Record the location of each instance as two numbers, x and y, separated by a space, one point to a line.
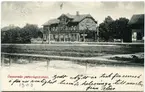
73 50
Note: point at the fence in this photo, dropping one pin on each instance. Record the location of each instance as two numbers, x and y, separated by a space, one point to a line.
29 56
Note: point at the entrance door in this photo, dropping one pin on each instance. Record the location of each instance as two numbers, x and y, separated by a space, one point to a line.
134 36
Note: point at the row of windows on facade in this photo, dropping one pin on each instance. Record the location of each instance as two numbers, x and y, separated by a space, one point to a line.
56 36
64 35
66 28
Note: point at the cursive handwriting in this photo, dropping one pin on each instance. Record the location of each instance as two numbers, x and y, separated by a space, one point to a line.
105 82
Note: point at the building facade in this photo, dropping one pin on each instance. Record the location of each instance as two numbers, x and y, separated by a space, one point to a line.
136 23
72 28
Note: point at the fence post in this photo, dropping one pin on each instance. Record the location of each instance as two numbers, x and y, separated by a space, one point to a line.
86 65
30 59
10 60
2 60
48 61
15 58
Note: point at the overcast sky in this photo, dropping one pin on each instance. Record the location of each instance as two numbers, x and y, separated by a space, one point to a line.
20 13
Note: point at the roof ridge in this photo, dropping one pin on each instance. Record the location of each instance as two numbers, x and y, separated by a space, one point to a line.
75 18
76 15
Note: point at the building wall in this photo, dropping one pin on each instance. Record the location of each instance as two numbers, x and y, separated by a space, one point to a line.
65 37
137 34
87 23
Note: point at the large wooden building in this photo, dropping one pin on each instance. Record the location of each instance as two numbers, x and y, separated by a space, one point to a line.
72 28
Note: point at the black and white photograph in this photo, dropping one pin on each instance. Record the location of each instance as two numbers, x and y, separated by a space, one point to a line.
72 46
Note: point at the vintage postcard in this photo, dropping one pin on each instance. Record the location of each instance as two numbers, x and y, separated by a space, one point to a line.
72 46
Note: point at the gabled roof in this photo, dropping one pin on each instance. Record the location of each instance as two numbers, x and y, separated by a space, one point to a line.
81 17
68 15
136 19
52 21
75 18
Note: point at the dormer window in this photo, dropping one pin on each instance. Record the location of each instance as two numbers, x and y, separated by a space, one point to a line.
53 28
72 28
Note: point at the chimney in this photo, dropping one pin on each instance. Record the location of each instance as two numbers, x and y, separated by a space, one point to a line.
77 13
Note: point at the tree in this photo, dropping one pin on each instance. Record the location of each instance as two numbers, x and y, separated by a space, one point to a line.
104 32
115 29
31 29
10 35
28 32
119 28
13 34
125 29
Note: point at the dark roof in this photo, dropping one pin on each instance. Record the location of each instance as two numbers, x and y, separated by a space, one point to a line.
52 21
81 17
136 19
68 15
75 18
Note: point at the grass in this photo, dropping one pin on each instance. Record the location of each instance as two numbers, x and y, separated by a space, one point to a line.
78 51
72 50
134 59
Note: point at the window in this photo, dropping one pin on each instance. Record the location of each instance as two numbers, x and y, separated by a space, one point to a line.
66 28
63 19
56 36
53 28
74 27
134 36
56 28
71 28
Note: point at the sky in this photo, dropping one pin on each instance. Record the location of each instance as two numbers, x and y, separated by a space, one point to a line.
19 13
